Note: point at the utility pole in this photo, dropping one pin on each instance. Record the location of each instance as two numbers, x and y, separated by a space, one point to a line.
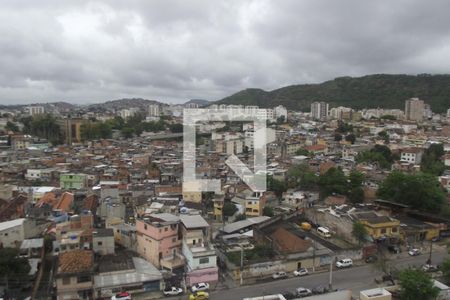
330 283
242 265
431 250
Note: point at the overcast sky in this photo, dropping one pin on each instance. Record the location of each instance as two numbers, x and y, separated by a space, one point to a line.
172 51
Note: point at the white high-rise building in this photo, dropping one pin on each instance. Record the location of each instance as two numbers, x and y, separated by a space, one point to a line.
319 110
34 110
154 110
414 109
280 111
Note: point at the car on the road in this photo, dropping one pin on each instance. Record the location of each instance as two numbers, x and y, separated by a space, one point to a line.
201 295
303 292
414 252
279 275
394 249
344 263
121 296
301 272
371 259
172 291
201 286
430 268
289 295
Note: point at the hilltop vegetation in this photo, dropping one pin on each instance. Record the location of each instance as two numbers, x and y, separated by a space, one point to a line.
372 91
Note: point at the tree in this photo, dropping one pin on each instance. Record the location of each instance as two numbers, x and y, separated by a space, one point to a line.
11 265
379 154
333 181
344 127
301 175
127 132
359 232
43 126
268 211
384 135
445 268
176 128
356 195
350 138
302 151
281 120
416 284
277 186
420 191
11 126
229 209
337 137
431 160
240 217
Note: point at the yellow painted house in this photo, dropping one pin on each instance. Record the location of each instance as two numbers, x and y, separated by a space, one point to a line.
379 227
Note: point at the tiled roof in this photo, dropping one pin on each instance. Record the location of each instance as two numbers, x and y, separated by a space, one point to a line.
76 261
65 201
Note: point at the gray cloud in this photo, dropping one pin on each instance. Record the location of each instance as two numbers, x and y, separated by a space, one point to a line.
88 51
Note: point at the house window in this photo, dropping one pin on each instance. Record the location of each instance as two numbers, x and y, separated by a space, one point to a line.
204 260
145 226
166 228
85 278
99 243
174 240
394 229
66 280
383 231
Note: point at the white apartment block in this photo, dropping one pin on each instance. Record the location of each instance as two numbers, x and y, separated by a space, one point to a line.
414 109
154 110
34 110
319 110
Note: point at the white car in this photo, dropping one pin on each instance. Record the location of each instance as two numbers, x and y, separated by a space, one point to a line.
172 291
121 296
279 275
201 286
301 272
414 252
344 263
303 292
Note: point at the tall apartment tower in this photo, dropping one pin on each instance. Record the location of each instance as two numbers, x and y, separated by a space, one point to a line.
154 110
319 110
414 109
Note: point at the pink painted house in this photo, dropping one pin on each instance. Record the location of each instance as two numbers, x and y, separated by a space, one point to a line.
201 259
158 240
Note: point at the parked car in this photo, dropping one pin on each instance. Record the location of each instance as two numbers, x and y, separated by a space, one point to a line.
121 296
436 239
371 259
414 252
344 263
303 292
318 290
279 275
289 295
201 295
301 272
394 249
172 291
430 268
201 286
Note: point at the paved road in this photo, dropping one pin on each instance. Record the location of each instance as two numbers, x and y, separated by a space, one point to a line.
355 278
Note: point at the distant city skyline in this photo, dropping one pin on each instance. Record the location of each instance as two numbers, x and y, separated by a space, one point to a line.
94 51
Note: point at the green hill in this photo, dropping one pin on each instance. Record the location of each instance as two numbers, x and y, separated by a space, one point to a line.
372 91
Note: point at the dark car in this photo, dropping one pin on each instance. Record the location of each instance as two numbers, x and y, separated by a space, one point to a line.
318 290
371 259
289 295
394 249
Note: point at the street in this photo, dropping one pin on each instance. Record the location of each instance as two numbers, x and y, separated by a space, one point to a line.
356 279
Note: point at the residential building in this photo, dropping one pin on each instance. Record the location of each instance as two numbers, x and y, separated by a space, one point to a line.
158 240
154 110
414 109
71 129
319 110
34 110
103 241
125 272
73 181
412 155
379 227
201 259
74 275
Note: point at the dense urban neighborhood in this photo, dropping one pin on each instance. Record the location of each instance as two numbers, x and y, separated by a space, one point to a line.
93 203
